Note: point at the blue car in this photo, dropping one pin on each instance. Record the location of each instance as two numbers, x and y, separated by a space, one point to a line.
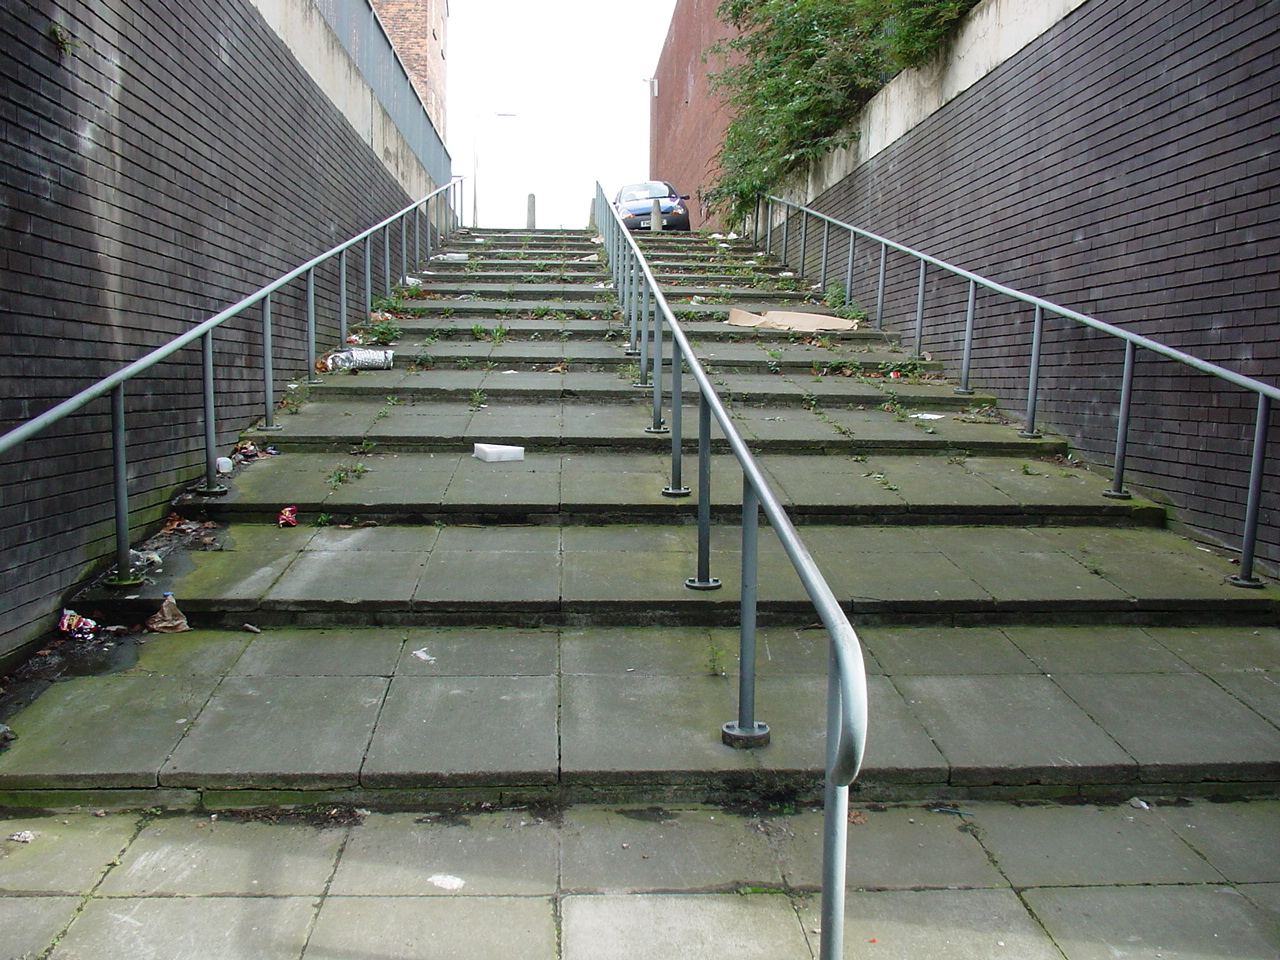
634 204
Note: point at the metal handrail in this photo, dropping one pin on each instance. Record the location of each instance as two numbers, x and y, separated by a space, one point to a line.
647 313
1265 392
440 222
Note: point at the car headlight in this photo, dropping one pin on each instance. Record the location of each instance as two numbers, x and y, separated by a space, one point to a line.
679 209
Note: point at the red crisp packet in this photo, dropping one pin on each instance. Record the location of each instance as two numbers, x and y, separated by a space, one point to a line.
288 517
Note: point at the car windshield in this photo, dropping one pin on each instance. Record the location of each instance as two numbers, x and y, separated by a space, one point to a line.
645 191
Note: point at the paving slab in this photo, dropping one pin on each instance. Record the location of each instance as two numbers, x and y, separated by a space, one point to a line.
667 651
1240 840
956 924
987 725
1259 691
1221 650
899 749
66 854
299 732
185 856
477 928
898 848
323 579
1052 846
31 923
478 652
189 928
639 728
1093 649
512 853
657 927
286 652
1179 726
194 653
649 849
102 732
437 730
941 651
1154 923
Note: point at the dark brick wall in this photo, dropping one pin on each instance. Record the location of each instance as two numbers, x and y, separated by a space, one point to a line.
687 119
1123 165
171 160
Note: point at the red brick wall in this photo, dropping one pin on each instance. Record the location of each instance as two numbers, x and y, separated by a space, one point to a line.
687 120
417 29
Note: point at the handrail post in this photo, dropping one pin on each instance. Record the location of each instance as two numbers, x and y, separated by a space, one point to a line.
768 226
920 312
312 377
343 297
1245 577
404 248
124 575
386 260
626 263
1033 379
268 370
658 425
211 486
848 273
786 229
417 237
676 487
802 269
826 244
644 325
747 731
704 580
884 261
368 277
964 389
835 826
1117 490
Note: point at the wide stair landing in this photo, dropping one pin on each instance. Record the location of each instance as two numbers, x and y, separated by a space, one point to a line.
441 627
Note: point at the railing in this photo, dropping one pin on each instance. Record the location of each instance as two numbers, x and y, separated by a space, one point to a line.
764 233
433 219
647 314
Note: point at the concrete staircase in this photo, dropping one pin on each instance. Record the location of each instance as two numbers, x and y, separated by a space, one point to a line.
440 627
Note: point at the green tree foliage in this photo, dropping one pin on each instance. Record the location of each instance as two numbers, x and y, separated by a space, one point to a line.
799 73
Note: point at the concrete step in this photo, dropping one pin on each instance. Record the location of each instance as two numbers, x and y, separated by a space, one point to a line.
585 309
569 324
493 345
567 425
629 574
431 378
523 290
556 715
608 487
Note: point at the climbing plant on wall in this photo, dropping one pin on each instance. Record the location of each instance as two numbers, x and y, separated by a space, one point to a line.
799 72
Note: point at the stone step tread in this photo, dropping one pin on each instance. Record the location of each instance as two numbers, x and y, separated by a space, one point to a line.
535 290
545 381
712 355
570 423
548 328
586 308
1113 711
636 574
882 489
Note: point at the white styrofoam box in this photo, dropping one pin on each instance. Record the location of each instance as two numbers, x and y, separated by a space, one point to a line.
491 452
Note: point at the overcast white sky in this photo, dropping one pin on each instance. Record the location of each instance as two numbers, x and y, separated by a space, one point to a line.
574 74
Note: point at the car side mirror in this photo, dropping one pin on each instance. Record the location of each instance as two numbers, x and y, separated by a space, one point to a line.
685 197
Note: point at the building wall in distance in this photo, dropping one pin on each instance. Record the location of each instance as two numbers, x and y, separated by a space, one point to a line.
162 160
687 119
417 28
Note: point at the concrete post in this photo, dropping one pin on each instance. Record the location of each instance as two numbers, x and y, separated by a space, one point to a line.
655 217
533 219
